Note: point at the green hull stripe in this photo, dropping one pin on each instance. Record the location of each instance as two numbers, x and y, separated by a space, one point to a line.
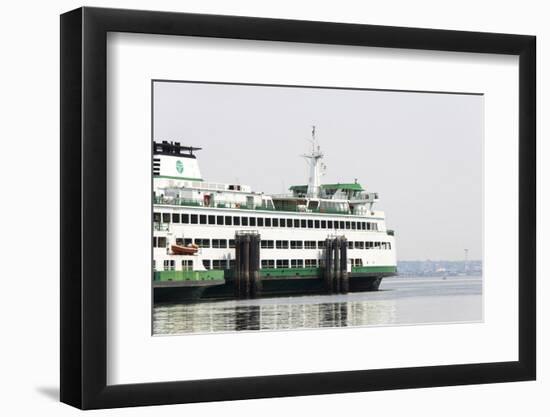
218 274
289 272
209 275
371 269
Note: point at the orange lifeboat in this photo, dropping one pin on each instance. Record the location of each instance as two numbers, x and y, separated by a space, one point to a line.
190 249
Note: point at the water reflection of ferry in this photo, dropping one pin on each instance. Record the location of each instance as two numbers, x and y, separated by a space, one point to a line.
234 316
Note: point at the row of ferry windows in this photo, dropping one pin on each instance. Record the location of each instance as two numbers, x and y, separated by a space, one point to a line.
261 221
161 242
187 265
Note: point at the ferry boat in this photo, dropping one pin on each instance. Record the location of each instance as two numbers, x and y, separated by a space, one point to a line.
224 240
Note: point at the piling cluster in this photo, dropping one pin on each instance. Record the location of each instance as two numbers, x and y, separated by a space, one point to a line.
335 263
247 265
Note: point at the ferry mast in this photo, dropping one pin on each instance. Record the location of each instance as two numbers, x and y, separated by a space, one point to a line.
314 161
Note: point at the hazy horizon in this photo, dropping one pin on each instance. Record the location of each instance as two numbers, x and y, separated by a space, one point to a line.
422 152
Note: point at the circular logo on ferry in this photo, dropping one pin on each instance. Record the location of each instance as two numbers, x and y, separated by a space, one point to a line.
179 167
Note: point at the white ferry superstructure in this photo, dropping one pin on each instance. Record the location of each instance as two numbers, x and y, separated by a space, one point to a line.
198 228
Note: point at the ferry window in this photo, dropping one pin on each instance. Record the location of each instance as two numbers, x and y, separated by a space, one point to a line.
281 244
329 224
228 220
317 225
260 221
275 222
252 221
297 223
389 245
231 243
156 217
375 226
377 245
206 263
154 265
296 244
175 218
321 244
353 225
363 225
194 219
282 263
268 263
202 218
236 220
244 221
161 242
179 241
323 224
219 220
267 244
187 241
166 217
359 245
219 243
185 218
268 222
169 265
310 244
368 226
309 223
297 263
218 264
289 223
350 244
154 241
358 262
203 243
341 224
303 223
311 263
211 219
187 265
347 225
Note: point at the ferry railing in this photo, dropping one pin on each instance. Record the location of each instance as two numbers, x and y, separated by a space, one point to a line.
232 205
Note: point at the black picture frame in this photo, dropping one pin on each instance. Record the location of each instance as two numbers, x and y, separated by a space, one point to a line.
84 207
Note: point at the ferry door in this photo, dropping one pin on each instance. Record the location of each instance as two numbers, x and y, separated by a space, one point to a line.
250 202
207 198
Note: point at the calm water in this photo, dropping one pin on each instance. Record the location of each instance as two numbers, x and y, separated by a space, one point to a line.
399 301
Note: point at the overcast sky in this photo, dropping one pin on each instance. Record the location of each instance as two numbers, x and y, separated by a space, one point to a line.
421 152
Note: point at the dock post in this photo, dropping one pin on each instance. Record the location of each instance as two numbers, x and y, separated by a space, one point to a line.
328 265
246 267
256 283
337 272
238 270
344 278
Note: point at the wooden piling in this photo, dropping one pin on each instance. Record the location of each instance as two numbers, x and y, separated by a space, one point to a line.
344 277
238 270
328 266
256 283
337 272
246 267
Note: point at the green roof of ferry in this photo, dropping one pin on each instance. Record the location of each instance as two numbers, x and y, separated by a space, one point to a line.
353 186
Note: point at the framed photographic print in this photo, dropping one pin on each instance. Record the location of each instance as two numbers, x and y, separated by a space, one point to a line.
257 207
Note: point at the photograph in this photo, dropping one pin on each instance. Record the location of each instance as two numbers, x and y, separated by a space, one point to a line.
284 207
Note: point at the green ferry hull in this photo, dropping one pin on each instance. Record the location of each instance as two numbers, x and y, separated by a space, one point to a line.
274 283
